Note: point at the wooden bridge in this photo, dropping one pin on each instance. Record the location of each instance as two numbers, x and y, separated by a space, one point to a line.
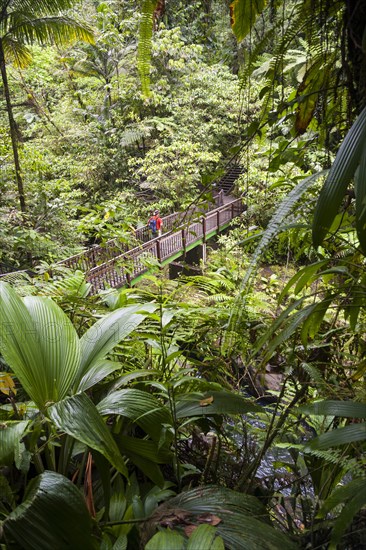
113 265
116 264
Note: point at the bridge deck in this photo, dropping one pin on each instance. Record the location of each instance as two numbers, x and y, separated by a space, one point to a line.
127 267
115 264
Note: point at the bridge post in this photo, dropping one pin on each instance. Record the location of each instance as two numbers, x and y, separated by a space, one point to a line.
158 250
204 253
218 220
203 228
184 240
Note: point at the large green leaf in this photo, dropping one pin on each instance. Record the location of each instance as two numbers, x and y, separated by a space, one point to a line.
53 515
78 417
145 448
340 175
243 14
307 95
149 468
40 345
97 372
146 455
166 540
287 325
303 277
340 436
204 538
238 514
360 192
11 433
215 402
313 321
140 407
348 409
353 496
58 344
107 332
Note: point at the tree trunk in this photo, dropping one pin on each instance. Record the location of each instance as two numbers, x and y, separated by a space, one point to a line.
355 17
13 131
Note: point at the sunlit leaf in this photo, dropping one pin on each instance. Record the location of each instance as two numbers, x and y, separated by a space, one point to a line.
166 540
40 344
243 14
107 332
7 385
204 537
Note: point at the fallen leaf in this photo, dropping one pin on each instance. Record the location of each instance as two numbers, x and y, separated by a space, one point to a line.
7 385
209 518
206 401
189 530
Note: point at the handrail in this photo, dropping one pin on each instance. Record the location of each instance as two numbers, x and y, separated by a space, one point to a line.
125 267
98 254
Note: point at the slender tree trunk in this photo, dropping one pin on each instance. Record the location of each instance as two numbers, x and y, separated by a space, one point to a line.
13 131
355 16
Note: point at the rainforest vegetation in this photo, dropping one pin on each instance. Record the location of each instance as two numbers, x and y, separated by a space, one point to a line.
224 408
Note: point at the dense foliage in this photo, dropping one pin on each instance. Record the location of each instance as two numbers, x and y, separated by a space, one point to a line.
220 410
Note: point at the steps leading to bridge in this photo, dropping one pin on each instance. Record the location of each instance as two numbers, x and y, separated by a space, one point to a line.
226 183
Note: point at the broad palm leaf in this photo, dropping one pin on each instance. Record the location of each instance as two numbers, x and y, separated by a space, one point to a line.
40 344
241 519
42 348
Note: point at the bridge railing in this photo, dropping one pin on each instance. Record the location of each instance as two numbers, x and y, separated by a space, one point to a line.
127 266
100 254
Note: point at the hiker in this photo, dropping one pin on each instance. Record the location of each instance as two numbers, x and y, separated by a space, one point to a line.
159 222
155 224
151 225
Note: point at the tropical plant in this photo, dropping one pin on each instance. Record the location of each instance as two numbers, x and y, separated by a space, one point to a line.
55 368
23 23
349 494
52 425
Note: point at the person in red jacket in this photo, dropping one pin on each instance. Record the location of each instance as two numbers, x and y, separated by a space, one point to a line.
159 222
155 224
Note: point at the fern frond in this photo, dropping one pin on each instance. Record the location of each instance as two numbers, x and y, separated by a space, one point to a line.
274 225
132 135
144 46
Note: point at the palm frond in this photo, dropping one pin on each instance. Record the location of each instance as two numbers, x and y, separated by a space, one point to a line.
16 52
29 524
40 345
243 520
58 29
48 7
340 175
